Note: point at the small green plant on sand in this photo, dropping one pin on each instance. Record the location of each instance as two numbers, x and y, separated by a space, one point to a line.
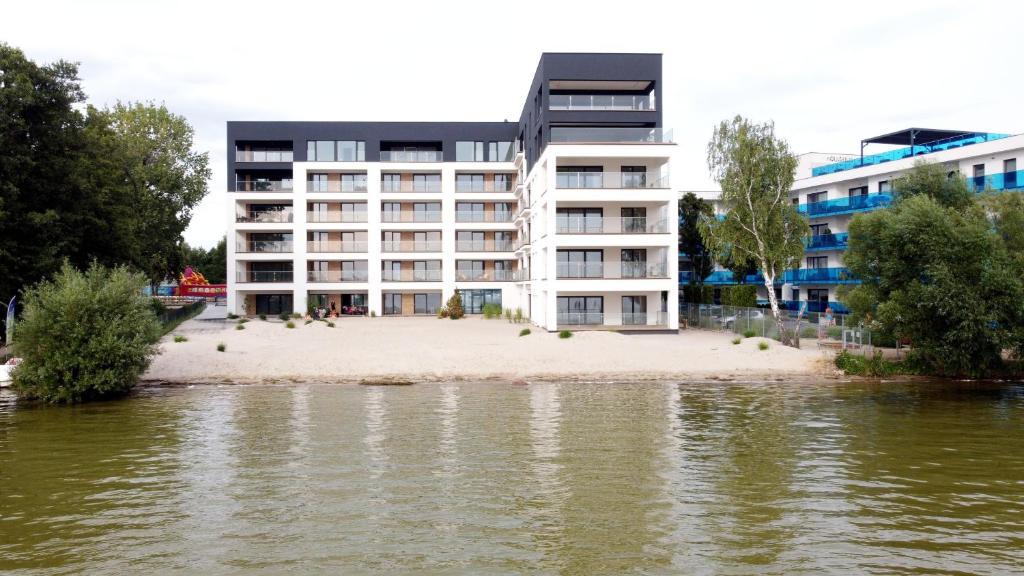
330 324
308 322
263 317
239 326
179 338
508 315
519 315
284 316
221 347
565 334
243 320
524 332
289 324
749 333
762 345
373 313
736 340
232 315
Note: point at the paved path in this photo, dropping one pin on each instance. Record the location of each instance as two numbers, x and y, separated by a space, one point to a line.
213 312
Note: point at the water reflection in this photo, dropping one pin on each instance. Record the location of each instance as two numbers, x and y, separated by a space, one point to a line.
494 478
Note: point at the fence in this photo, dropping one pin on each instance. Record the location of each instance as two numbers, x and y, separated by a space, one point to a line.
833 330
171 317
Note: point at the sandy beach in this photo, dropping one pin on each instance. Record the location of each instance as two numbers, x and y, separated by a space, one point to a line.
429 349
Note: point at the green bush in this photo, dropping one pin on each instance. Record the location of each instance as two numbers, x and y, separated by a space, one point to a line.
221 347
524 332
284 316
876 366
85 335
762 345
373 313
454 306
736 340
442 312
808 332
835 332
239 326
491 311
744 295
179 339
232 316
157 306
565 334
243 320
289 324
263 316
749 334
518 315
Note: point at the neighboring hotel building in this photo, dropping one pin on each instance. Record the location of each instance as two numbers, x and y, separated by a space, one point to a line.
567 214
831 189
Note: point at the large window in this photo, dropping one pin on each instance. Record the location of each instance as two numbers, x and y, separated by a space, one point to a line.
579 221
579 177
634 310
580 310
335 151
392 303
816 262
468 151
426 303
500 151
473 300
634 263
469 182
580 264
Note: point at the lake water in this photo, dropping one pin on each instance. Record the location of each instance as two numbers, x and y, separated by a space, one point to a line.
470 478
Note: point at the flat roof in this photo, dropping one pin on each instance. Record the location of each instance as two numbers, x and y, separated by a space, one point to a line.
916 136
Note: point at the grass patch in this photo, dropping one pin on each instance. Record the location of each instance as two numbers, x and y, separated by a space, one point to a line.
330 324
565 334
762 345
524 332
737 340
221 347
179 338
239 326
232 315
875 366
243 320
263 317
749 334
385 382
296 315
289 324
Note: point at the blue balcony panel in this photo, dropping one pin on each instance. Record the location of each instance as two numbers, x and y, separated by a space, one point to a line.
1000 181
847 205
820 276
837 241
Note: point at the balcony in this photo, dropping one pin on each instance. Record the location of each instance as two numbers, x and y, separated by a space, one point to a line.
388 275
264 217
907 152
483 246
264 246
598 271
609 180
343 217
624 102
618 320
263 185
414 216
723 278
1000 181
820 276
410 186
261 276
316 246
338 276
410 246
263 155
567 135
336 185
477 216
595 225
812 306
836 241
411 156
487 275
484 186
847 205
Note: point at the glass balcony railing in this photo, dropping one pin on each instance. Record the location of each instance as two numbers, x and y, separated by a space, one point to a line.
411 156
1000 181
726 277
483 246
611 135
263 185
600 225
477 216
336 246
598 270
274 246
846 205
595 318
264 276
820 276
263 155
389 275
901 153
411 216
338 276
336 217
486 275
482 186
264 217
410 186
812 306
356 185
835 241
600 102
609 180
410 246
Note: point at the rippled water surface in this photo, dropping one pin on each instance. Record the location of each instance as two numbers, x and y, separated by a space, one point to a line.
471 478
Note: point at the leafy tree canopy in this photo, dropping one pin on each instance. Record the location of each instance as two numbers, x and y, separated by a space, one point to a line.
691 210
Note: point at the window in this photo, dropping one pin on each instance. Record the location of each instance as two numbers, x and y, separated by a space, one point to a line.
469 241
353 182
318 183
351 151
634 263
817 295
468 151
426 182
817 197
580 310
469 182
816 262
502 182
502 212
634 310
426 303
579 177
392 303
634 220
391 212
634 176
470 270
820 229
391 182
1010 173
883 186
324 151
331 151
579 221
580 264
469 211
426 211
499 151
979 170
473 300
859 191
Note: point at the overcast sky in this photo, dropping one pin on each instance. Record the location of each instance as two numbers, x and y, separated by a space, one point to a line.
827 73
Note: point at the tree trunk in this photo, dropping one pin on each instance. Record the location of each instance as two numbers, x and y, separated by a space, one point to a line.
769 283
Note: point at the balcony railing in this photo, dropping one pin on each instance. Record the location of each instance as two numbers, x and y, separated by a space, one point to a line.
901 153
609 180
812 306
521 242
388 275
482 186
414 216
264 276
411 156
600 225
410 186
486 275
593 318
343 216
336 246
722 277
263 185
336 185
483 246
1000 181
410 246
847 205
338 276
835 241
264 217
598 270
600 102
611 135
275 246
263 155
820 276
477 216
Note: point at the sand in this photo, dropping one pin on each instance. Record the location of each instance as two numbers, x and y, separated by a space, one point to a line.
430 349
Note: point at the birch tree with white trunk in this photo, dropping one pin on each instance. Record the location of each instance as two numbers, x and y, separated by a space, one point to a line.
755 170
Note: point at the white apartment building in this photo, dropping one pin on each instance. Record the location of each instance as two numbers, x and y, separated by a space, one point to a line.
567 215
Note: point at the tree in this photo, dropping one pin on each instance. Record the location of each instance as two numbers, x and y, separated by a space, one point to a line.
691 210
211 263
940 273
755 170
84 336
